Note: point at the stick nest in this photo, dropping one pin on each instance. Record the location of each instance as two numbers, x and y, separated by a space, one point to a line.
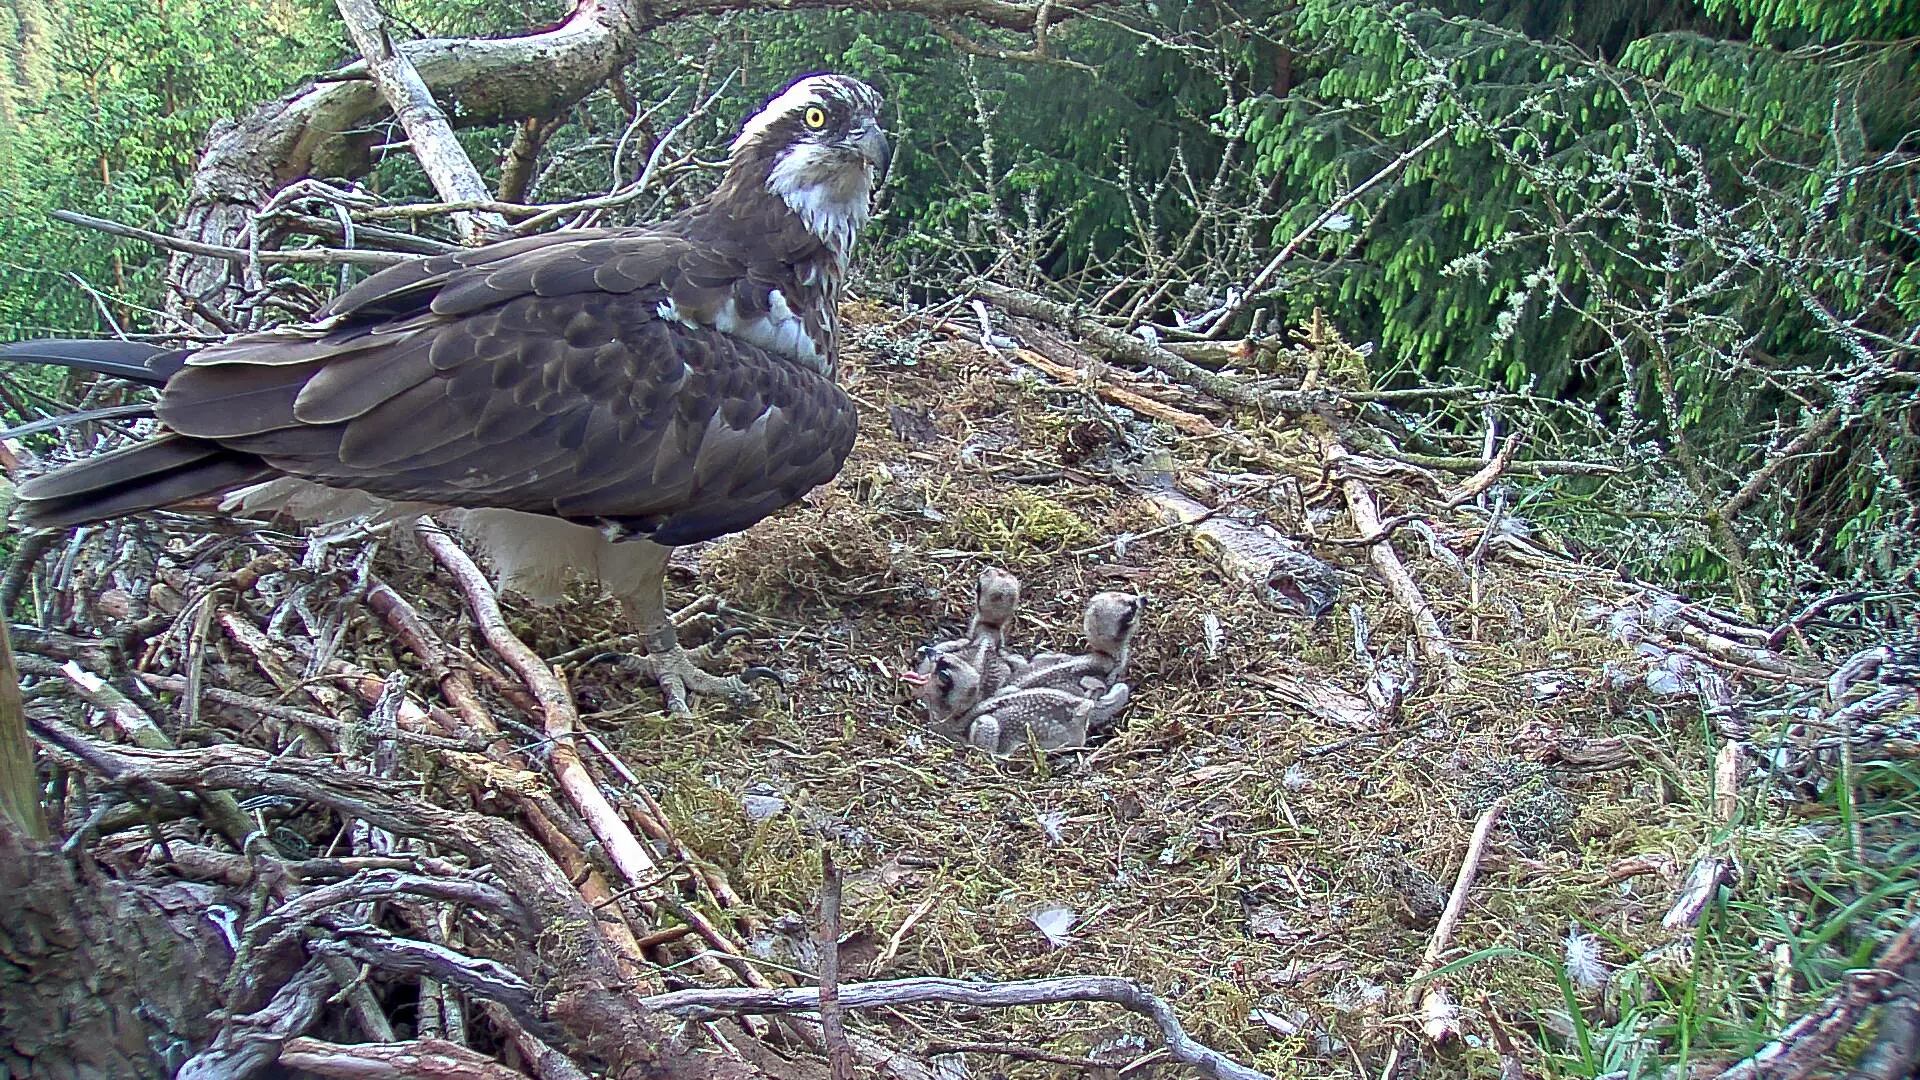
1272 866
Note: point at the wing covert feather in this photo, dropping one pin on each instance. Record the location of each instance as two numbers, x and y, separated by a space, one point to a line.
622 418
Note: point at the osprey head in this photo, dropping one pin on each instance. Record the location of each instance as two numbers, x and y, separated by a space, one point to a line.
820 148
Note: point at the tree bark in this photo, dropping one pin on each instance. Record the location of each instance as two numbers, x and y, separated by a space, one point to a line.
108 981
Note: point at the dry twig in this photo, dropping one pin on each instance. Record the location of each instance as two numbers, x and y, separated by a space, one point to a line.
1434 1004
705 1004
833 1029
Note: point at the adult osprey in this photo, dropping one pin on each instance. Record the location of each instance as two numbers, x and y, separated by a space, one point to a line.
587 399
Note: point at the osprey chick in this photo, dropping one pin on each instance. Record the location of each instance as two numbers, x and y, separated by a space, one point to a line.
586 399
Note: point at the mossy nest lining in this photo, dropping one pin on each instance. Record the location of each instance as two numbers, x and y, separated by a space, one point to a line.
1270 869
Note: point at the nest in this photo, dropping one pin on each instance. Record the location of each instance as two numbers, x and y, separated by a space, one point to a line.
1268 841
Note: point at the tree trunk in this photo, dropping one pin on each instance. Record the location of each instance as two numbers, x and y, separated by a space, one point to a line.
103 981
19 781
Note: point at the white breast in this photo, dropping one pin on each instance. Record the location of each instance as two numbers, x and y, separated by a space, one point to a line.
781 330
531 554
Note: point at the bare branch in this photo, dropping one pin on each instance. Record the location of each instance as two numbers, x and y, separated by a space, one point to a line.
440 154
833 1029
421 1059
1130 995
1291 247
295 256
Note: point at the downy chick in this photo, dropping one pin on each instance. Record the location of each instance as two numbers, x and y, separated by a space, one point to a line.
996 600
1109 624
1048 718
952 676
948 686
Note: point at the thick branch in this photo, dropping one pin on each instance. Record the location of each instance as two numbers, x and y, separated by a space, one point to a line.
440 154
1133 350
328 129
422 1059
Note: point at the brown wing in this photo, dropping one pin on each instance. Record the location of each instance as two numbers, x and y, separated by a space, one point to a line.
543 378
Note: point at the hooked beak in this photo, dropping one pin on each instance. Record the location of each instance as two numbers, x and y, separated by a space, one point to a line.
872 144
913 678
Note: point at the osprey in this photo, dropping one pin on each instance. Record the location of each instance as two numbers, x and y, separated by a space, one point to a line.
581 400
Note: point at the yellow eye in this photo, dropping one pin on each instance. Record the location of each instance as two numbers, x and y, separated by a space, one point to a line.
816 117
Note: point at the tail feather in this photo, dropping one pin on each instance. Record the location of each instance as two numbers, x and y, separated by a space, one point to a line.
146 476
131 360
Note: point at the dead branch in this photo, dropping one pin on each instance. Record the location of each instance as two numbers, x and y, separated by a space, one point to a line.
1518 468
364 235
523 154
220 808
559 717
1511 1067
1806 1044
1473 486
1278 574
1437 1010
135 726
1130 995
1339 707
482 978
251 1042
1021 1053
1365 512
425 1059
1180 419
1726 780
285 923
31 546
833 1029
1036 55
439 153
283 257
1133 350
1255 287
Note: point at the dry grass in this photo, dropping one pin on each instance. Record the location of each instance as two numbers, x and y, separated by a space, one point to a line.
1270 871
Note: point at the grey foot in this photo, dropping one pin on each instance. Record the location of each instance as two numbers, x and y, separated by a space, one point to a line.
678 673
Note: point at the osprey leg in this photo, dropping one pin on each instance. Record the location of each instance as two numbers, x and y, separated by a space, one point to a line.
675 669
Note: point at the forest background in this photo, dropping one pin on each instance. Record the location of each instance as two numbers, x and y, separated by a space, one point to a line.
1677 238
